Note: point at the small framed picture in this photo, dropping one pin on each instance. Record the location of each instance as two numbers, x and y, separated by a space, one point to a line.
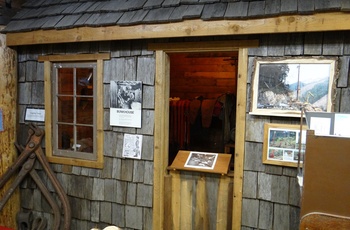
35 114
282 144
201 160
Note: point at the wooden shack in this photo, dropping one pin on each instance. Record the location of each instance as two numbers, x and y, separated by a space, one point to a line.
206 52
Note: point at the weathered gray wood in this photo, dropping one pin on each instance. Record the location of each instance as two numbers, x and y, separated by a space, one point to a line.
281 217
237 9
130 69
265 215
289 171
31 71
147 122
276 45
148 97
107 167
214 11
250 213
139 170
131 194
295 44
253 157
178 13
106 212
146 70
117 166
147 218
273 169
255 128
262 49
272 7
127 169
95 211
333 43
337 100
256 9
279 189
327 5
121 191
133 215
306 7
251 69
118 214
345 101
98 192
109 194
24 93
294 217
250 183
193 11
37 93
344 73
144 195
289 6
148 179
294 192
264 186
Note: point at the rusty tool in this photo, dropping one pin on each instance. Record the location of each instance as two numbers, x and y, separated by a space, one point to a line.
25 162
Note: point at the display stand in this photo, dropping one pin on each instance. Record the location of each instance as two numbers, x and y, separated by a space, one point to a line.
326 188
221 165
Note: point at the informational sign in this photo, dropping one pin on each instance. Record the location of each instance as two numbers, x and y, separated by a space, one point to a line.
132 146
126 103
34 114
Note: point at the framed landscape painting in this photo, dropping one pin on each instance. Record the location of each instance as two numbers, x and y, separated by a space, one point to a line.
283 87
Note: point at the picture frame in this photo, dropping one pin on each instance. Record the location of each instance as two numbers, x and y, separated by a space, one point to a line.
282 87
281 144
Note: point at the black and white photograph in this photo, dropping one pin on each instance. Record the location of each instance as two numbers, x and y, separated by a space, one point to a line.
132 146
201 160
126 103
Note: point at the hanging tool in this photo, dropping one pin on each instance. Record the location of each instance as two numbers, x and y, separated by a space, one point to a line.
25 162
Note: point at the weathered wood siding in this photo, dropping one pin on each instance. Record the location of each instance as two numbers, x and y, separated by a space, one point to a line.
198 201
271 196
122 192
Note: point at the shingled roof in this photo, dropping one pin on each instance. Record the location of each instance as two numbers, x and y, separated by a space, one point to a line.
65 14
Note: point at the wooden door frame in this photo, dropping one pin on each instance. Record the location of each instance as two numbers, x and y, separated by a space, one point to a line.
161 129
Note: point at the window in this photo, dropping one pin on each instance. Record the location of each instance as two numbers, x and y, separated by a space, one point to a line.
74 109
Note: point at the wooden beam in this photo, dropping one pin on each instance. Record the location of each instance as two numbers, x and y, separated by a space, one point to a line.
74 57
240 139
190 28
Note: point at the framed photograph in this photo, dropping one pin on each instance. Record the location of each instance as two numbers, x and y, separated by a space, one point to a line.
132 146
35 115
126 103
281 144
201 160
281 87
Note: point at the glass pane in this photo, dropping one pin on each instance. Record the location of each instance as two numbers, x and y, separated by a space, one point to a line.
84 81
65 136
85 112
65 111
84 139
65 81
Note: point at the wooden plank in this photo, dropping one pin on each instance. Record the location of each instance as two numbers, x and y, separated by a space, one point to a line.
186 206
175 199
161 136
190 28
75 57
240 139
168 207
201 217
223 220
8 135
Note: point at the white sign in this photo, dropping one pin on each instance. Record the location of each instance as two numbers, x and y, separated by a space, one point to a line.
33 114
132 146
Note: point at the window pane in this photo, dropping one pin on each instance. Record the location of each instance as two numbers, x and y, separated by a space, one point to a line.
65 81
84 139
85 113
84 81
65 111
66 137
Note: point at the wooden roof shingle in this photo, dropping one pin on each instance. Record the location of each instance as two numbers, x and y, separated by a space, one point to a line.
62 14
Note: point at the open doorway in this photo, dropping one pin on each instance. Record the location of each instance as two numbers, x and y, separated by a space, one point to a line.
202 106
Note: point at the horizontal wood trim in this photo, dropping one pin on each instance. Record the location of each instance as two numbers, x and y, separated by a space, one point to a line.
75 162
75 57
190 28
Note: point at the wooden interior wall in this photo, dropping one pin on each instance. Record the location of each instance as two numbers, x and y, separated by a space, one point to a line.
202 74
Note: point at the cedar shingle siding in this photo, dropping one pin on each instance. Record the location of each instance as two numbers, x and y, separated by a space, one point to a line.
47 14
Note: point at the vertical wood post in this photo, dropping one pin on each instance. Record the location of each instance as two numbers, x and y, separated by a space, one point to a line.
8 105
